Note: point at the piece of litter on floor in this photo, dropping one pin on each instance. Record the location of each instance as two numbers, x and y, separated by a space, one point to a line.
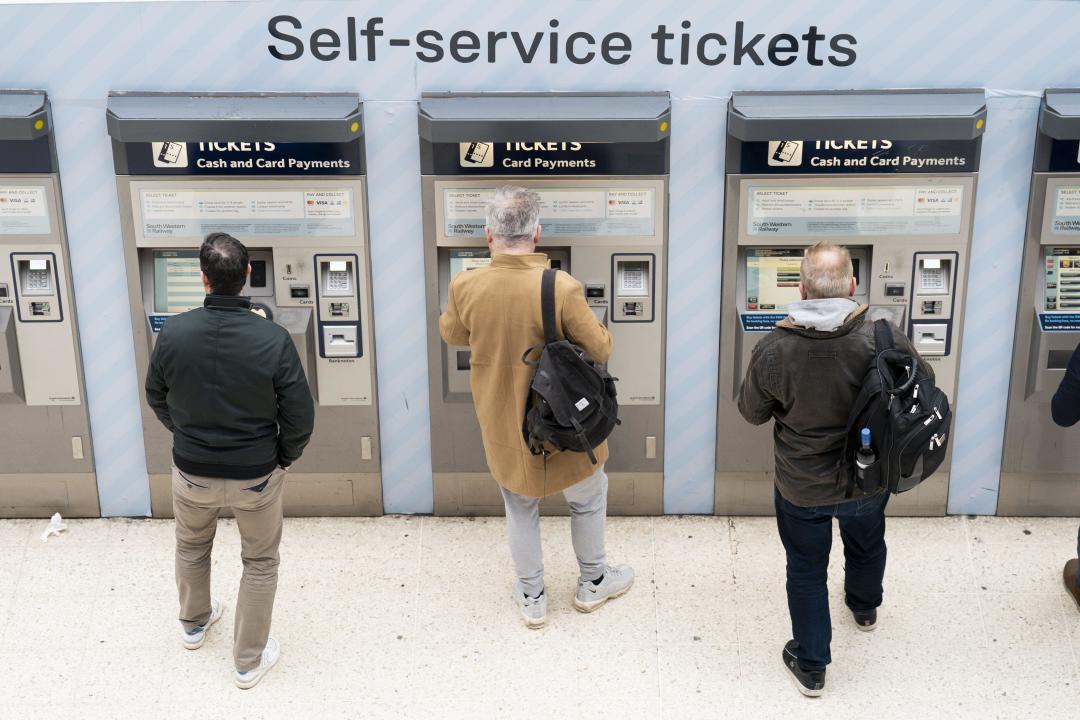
56 526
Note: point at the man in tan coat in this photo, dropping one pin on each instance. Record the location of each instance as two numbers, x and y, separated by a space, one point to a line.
495 310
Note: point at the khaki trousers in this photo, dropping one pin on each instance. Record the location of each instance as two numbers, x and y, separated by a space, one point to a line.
257 506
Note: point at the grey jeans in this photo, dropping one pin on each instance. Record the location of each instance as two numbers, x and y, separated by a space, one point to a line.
588 512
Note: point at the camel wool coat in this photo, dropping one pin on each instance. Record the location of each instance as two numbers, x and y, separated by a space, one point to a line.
495 310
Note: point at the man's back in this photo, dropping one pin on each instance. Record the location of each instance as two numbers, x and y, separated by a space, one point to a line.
496 312
808 380
225 371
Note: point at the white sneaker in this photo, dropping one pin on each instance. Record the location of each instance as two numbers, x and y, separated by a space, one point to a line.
194 639
616 581
251 678
533 609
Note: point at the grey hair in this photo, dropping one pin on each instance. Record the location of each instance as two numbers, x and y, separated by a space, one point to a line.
513 214
826 271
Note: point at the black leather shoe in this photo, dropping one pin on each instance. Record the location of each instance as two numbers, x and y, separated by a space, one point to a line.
866 621
1069 575
812 683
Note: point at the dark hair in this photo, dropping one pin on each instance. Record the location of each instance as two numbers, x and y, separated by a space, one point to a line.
224 261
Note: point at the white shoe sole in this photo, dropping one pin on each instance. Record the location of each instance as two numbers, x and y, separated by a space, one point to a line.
530 622
202 640
534 623
259 674
588 607
798 685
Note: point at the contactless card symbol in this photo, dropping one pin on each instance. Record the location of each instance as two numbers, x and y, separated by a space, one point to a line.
476 154
169 154
785 153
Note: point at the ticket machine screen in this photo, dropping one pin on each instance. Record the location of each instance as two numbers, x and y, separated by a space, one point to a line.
463 260
772 277
177 284
1063 279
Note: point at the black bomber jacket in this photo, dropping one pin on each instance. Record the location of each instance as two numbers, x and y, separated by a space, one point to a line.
229 386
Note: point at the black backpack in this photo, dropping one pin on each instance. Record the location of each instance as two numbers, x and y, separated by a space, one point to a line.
908 418
571 404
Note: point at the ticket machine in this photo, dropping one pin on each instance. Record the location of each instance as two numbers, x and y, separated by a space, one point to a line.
889 174
285 174
1041 461
600 165
45 455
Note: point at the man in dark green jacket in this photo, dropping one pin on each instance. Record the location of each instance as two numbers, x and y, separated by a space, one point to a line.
805 376
228 384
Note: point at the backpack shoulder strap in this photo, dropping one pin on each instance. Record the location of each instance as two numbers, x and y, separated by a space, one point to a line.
883 337
547 306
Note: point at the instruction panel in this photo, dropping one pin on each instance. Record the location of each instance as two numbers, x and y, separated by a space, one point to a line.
563 212
240 212
23 211
887 210
1066 216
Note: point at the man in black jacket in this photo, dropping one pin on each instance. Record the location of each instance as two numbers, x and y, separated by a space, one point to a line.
1065 408
805 375
229 386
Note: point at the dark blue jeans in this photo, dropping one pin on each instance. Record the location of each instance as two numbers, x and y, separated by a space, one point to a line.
807 536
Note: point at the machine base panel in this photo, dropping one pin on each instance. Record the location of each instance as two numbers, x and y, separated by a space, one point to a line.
1039 494
478 494
306 495
751 493
35 495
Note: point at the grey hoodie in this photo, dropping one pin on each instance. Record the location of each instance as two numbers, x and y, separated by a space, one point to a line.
825 315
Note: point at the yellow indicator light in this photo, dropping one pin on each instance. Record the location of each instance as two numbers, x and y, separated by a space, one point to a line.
663 126
979 124
355 126
39 124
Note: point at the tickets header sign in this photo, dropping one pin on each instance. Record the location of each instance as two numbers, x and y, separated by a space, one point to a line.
838 157
538 157
168 157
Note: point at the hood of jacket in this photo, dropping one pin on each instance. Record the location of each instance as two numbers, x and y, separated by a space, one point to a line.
823 315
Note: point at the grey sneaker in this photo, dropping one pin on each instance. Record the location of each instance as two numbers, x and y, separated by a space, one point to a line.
533 610
251 678
617 580
194 640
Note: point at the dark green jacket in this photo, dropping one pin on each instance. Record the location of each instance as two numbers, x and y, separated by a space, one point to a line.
807 380
229 385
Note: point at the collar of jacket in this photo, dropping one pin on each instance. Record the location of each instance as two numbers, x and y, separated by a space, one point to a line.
520 262
854 320
227 302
